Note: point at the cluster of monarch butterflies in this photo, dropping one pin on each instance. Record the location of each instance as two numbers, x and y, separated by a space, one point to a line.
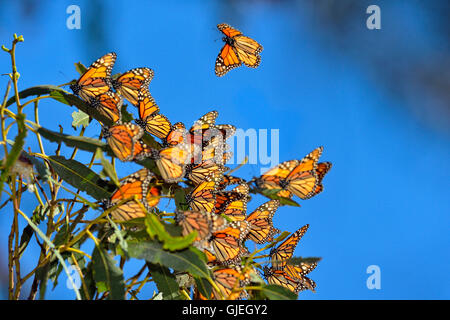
197 157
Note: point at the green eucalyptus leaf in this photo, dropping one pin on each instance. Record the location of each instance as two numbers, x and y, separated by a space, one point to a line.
81 177
107 276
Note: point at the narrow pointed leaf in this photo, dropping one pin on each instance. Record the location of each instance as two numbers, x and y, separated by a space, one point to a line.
81 177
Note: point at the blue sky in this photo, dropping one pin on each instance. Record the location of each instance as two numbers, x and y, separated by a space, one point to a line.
386 198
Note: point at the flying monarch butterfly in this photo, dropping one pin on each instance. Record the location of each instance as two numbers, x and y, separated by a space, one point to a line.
300 271
321 170
123 138
129 83
298 177
261 228
225 245
171 162
238 49
135 187
176 135
108 104
149 118
285 250
203 197
282 278
97 78
230 281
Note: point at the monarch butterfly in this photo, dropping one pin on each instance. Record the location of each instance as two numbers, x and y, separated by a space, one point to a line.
261 228
171 162
149 118
123 138
176 135
203 196
298 177
237 209
96 80
285 250
135 187
282 278
225 245
321 170
130 83
200 221
199 173
300 271
233 203
108 104
230 281
229 180
238 49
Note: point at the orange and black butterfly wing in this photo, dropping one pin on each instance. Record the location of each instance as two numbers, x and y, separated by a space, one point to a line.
172 161
203 197
227 58
300 271
302 180
96 80
133 188
129 84
227 242
122 139
108 104
176 135
158 125
285 250
281 278
146 105
321 170
191 221
248 50
261 228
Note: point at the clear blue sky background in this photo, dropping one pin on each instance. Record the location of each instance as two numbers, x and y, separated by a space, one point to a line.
322 81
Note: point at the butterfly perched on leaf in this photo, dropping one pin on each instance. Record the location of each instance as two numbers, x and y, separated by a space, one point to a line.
108 104
130 83
238 49
198 173
225 245
260 223
282 278
134 189
124 141
299 271
149 117
233 203
97 78
177 135
283 252
203 196
230 281
200 221
171 162
298 177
